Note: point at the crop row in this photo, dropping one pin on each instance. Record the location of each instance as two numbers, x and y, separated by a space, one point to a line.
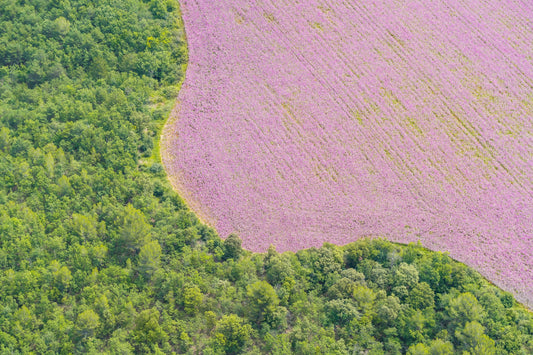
319 121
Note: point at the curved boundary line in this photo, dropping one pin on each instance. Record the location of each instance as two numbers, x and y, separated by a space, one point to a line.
164 155
165 138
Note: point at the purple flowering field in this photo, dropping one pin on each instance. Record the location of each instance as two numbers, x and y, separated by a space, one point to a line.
304 122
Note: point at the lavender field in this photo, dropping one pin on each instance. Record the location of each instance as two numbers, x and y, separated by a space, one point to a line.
304 122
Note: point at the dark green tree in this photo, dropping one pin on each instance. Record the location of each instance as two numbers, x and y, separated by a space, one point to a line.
232 247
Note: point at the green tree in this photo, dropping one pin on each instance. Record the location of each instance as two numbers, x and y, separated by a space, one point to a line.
464 308
87 323
341 311
421 296
441 347
232 247
472 340
135 232
85 226
192 299
61 274
406 275
232 334
148 331
343 288
262 301
418 349
149 258
278 268
388 310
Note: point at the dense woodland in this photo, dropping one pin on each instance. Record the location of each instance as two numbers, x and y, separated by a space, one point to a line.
99 255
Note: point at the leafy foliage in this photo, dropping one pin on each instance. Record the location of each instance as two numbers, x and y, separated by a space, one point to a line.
99 255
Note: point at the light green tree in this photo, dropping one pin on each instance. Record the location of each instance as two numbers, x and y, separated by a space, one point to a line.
474 341
418 349
134 233
464 308
87 323
149 258
192 299
263 300
147 331
232 334
441 347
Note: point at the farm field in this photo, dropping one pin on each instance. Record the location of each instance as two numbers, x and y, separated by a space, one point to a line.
301 123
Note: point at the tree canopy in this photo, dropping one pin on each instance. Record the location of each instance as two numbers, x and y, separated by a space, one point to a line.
99 255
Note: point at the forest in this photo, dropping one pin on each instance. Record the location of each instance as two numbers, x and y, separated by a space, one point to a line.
99 255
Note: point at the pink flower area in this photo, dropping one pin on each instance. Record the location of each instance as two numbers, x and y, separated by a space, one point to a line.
304 122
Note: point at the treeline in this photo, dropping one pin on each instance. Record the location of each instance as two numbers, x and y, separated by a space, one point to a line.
99 255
